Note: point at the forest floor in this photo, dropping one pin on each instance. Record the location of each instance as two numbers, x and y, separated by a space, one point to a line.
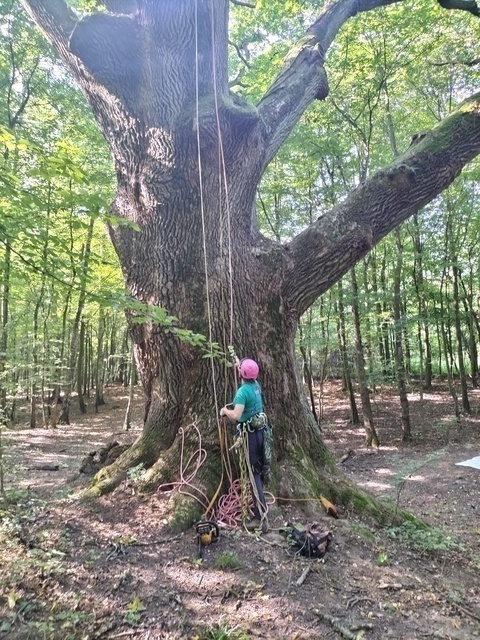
113 569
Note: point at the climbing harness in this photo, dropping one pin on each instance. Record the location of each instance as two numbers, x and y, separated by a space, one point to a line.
256 423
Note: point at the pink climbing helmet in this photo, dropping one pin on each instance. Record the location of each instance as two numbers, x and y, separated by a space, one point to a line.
248 369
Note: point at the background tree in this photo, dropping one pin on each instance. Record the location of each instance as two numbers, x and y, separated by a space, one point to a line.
51 153
189 156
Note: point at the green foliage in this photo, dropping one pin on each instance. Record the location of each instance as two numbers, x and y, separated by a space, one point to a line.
224 631
362 531
87 6
228 561
140 313
422 537
135 474
33 614
134 611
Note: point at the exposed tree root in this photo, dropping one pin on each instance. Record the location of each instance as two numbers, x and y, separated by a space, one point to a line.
108 478
302 481
296 479
193 487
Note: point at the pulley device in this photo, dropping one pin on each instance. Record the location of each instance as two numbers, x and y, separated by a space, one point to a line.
207 532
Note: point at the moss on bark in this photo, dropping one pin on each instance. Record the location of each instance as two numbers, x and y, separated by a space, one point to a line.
108 478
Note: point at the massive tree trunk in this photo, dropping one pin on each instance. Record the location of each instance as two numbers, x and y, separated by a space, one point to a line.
189 156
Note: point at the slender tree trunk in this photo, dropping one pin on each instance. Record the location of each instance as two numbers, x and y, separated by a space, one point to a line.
424 347
324 351
38 305
458 333
34 367
406 338
5 299
371 437
112 360
11 415
127 422
92 364
378 312
399 360
354 418
368 329
86 360
451 248
447 346
64 417
80 367
472 326
386 312
307 370
58 372
99 365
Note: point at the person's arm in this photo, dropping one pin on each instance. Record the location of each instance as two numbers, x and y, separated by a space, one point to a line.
234 412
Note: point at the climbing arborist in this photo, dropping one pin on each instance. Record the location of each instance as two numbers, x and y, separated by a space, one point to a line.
247 410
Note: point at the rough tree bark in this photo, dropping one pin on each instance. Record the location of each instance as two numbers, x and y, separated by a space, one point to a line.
156 78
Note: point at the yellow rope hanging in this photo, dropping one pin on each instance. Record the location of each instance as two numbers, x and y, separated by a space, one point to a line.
225 461
243 476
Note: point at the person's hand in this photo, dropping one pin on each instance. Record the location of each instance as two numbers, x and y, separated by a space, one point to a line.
222 411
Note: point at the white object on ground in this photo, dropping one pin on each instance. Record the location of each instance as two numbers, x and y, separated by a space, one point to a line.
473 462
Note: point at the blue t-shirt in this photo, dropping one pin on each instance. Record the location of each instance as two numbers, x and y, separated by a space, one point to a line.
250 395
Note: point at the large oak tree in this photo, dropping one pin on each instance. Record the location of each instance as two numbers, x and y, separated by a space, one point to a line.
189 156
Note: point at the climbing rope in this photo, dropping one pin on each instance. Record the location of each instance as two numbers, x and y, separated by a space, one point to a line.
223 169
232 506
185 484
246 471
243 475
226 465
204 239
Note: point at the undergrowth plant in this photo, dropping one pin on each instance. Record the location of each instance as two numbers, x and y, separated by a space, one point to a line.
27 560
135 474
423 537
228 560
223 631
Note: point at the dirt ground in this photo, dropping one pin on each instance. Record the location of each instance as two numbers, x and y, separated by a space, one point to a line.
114 569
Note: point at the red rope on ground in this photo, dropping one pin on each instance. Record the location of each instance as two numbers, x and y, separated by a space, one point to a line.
201 455
229 506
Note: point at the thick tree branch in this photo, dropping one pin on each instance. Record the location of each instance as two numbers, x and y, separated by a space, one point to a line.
106 45
55 19
464 5
464 63
240 3
133 55
303 78
327 249
109 48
